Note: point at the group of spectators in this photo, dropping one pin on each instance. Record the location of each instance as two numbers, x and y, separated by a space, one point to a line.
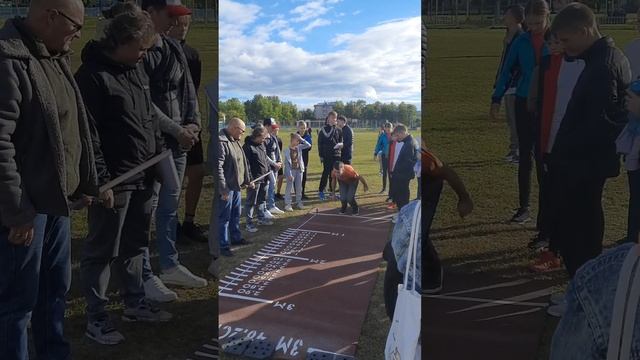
65 138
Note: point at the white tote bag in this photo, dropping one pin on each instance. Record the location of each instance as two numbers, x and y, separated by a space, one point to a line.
625 307
403 338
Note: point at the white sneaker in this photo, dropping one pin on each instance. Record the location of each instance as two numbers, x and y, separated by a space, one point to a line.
557 310
268 215
288 208
181 276
275 210
394 219
146 313
301 206
558 298
155 290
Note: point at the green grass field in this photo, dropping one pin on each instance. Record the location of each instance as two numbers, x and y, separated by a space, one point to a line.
195 313
376 326
461 67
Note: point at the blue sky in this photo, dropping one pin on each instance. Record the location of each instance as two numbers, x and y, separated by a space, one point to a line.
308 51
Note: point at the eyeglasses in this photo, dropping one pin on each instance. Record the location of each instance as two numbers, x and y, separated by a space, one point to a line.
76 26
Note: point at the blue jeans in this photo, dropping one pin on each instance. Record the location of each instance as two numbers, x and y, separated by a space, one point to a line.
167 221
229 219
271 192
34 281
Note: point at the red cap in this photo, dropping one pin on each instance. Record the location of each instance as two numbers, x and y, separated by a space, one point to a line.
275 126
176 9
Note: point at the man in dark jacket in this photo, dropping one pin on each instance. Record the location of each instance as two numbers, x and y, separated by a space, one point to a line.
174 96
115 86
329 149
401 163
347 136
46 159
195 157
584 152
258 160
232 175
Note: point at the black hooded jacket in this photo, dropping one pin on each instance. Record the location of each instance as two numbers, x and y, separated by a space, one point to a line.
118 103
257 158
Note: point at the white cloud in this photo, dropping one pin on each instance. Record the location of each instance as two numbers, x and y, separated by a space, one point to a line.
312 9
316 24
356 12
236 17
381 63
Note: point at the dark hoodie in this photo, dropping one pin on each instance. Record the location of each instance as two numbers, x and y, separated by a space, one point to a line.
328 137
118 102
257 158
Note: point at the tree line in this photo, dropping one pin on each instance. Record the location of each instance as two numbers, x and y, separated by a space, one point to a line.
287 113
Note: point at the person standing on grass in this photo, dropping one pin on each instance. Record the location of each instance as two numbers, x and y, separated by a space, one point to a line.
512 19
347 140
116 92
46 161
259 164
632 51
584 154
175 100
274 155
305 133
348 180
550 96
195 157
628 144
232 174
401 162
381 152
294 167
525 53
329 150
276 132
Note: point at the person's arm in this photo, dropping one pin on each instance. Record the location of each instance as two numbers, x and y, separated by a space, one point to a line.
287 164
197 70
465 204
379 145
364 183
222 182
334 181
505 73
321 141
15 208
304 144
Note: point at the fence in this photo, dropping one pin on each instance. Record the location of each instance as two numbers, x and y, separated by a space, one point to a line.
199 15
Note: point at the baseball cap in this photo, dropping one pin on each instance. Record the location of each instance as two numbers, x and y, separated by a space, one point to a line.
174 7
275 126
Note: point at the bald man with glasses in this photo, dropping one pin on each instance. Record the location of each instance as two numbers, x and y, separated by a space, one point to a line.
46 162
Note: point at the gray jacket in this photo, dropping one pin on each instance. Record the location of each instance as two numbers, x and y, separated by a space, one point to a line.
32 162
172 90
227 170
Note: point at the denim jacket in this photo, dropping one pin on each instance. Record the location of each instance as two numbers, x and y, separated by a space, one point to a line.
583 332
400 242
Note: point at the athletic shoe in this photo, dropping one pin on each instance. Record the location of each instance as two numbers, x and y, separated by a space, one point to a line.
103 332
388 200
515 160
268 215
434 282
538 243
547 261
213 269
305 197
288 208
194 232
394 218
241 242
382 191
558 298
356 211
265 222
275 210
301 206
251 228
343 211
279 197
391 206
513 154
321 195
227 252
155 290
146 313
520 217
557 310
181 276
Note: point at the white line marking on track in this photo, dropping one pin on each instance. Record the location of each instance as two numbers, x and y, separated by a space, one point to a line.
511 314
265 301
496 286
486 301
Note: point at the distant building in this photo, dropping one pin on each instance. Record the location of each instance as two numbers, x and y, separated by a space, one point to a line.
320 111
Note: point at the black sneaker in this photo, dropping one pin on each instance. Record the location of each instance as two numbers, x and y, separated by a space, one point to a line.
242 242
433 282
305 197
279 197
194 232
226 252
538 242
520 217
356 211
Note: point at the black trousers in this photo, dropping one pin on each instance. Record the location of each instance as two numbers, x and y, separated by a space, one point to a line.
528 137
327 167
385 171
399 190
576 218
305 159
